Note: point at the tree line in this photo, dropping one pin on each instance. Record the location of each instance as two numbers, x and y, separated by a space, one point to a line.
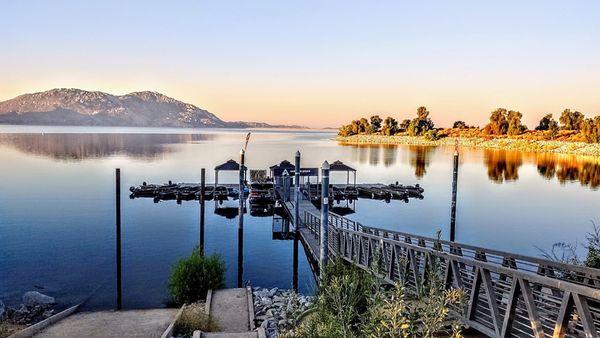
501 122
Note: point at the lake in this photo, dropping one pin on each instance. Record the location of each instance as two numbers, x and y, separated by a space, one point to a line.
57 227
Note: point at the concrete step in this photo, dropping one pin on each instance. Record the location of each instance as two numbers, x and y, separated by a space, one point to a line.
260 333
232 309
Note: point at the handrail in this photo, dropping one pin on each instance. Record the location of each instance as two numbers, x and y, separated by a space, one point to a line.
509 294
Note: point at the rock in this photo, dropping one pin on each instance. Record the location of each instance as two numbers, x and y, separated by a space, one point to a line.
33 298
273 291
2 310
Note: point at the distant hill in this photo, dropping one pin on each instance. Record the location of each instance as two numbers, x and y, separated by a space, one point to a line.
85 108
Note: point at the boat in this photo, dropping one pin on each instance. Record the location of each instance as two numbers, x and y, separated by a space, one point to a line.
220 193
144 190
262 193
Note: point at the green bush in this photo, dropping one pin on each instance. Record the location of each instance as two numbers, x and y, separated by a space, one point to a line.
192 277
353 303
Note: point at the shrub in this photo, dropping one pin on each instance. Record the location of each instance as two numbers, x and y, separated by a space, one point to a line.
432 135
353 303
192 277
460 125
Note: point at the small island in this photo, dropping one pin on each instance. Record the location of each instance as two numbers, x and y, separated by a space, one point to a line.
573 133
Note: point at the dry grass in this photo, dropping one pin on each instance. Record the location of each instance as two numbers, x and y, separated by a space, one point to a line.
194 318
566 142
7 329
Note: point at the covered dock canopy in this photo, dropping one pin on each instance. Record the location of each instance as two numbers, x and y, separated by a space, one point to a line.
285 164
230 165
340 166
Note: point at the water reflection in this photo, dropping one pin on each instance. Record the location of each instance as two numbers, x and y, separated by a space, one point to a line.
419 159
569 169
502 165
78 147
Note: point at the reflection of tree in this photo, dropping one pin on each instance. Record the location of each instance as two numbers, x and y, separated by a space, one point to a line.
77 147
502 165
569 169
375 154
419 158
389 155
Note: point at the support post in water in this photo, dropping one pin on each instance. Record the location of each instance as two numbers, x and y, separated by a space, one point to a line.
202 192
240 272
454 188
324 249
241 190
297 190
118 235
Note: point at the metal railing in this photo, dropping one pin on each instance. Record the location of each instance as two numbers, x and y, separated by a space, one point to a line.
509 294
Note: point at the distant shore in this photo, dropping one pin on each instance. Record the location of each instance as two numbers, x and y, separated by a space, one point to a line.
541 146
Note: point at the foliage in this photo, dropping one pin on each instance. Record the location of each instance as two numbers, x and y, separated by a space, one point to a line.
404 125
505 122
590 129
460 125
390 126
549 124
567 252
421 124
571 120
192 277
353 303
194 318
375 123
432 135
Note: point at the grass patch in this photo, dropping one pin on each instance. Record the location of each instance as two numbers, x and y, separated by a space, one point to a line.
194 318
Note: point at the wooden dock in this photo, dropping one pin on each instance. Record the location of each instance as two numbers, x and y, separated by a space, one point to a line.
509 294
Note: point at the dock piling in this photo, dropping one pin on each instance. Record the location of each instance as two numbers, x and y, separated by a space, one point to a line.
454 190
240 270
324 252
297 189
118 236
202 206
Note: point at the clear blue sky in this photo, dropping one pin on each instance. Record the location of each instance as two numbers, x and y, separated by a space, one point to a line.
317 63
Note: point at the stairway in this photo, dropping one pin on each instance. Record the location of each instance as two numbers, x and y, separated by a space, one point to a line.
233 310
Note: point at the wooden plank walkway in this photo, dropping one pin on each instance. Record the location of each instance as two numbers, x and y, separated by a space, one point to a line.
509 294
307 237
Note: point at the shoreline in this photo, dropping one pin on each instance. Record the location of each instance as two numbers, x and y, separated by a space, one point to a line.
537 146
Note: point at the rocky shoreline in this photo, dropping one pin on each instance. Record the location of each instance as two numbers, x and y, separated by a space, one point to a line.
35 308
277 310
540 146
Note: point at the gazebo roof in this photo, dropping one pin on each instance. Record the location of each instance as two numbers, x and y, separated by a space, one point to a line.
340 166
285 164
229 165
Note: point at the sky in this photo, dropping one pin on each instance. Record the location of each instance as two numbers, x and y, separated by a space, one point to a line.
313 63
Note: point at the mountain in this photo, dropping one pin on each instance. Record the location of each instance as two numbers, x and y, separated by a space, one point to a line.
85 108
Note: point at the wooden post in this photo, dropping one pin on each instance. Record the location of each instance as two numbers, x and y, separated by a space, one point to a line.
295 262
118 236
454 189
324 252
297 190
202 205
240 270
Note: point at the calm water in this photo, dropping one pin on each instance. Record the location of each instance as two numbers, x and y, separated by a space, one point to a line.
57 205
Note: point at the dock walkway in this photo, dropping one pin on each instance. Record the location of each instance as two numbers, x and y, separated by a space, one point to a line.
509 294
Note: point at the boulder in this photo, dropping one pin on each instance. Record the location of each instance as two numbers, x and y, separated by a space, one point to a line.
34 298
